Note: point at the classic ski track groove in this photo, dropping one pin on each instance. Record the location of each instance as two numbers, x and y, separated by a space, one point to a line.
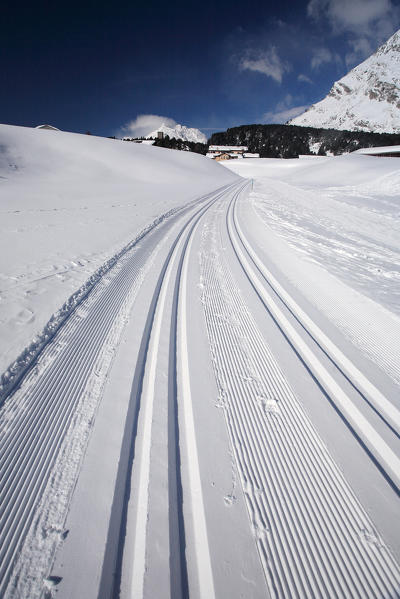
385 458
313 536
20 369
383 407
138 566
31 442
128 578
378 350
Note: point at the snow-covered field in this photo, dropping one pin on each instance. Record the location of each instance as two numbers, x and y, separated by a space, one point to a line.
341 214
215 413
69 203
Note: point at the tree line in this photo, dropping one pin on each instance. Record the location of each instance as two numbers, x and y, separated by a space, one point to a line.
289 141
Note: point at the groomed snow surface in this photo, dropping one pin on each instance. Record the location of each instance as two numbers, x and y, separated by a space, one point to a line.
201 373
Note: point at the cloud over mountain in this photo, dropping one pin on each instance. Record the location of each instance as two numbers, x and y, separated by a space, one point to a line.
144 124
266 62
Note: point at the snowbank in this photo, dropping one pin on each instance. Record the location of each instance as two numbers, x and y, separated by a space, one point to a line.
70 202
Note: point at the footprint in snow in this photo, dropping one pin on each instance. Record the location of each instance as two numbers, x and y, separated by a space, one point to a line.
52 581
24 316
371 537
229 500
269 405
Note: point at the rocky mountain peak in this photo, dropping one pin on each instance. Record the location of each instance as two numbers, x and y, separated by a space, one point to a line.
366 99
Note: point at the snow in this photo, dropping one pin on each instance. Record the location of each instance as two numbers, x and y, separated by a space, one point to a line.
379 150
216 412
49 127
366 99
341 216
68 203
181 132
337 211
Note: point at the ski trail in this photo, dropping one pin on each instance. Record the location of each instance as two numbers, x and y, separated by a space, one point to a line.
313 536
384 407
384 455
145 424
46 424
204 569
162 351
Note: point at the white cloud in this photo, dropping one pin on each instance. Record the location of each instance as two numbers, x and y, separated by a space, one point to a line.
374 18
322 56
268 63
284 111
365 23
304 78
360 49
145 124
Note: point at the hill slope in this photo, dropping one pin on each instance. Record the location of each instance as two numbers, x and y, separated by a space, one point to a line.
69 202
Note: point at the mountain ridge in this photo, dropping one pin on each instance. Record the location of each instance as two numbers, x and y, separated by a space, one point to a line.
366 99
180 132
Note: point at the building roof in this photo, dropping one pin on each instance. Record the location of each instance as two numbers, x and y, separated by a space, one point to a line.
381 150
228 148
47 127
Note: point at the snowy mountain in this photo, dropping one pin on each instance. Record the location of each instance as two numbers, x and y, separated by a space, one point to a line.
181 132
366 99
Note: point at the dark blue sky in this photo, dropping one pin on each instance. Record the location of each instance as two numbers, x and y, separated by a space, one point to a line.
99 65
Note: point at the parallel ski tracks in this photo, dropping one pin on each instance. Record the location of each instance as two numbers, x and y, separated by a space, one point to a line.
35 422
277 300
313 536
126 552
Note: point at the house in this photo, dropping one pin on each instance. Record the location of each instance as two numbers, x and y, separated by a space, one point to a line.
226 152
235 150
225 156
229 152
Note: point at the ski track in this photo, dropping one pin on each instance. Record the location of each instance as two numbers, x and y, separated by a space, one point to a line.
10 379
129 560
386 459
35 421
314 538
371 338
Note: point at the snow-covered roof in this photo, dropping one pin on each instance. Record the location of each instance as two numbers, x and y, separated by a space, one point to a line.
228 148
47 127
381 150
146 142
250 155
